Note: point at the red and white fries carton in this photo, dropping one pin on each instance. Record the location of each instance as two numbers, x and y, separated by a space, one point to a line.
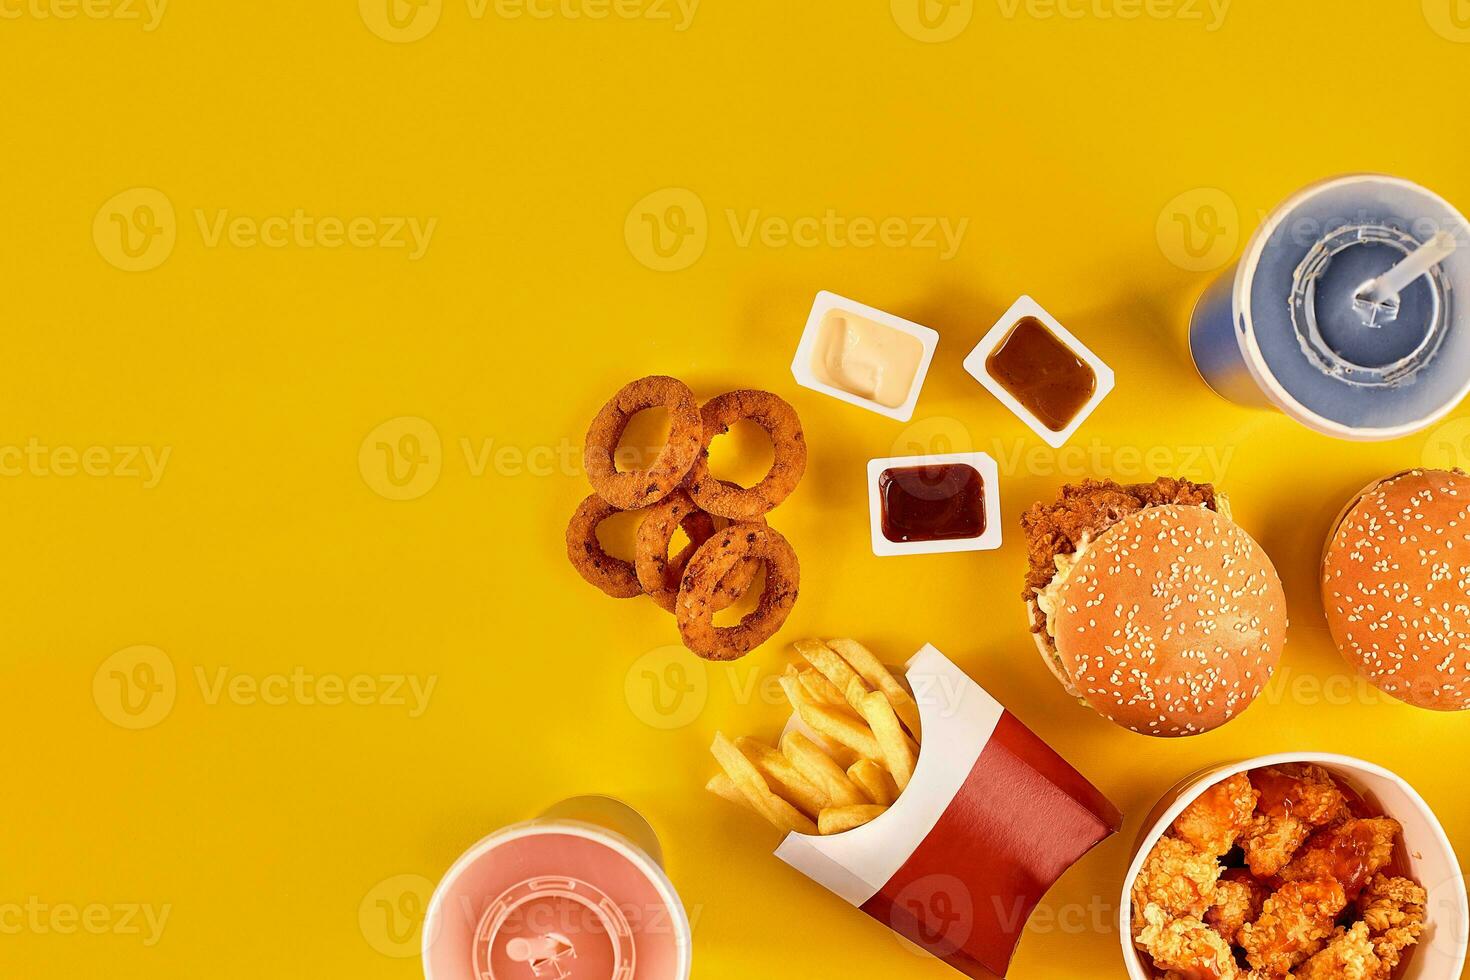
992 818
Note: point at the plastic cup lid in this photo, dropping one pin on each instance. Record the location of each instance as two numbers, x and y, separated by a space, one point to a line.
554 928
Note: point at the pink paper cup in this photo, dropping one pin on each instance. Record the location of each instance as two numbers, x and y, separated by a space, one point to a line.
559 897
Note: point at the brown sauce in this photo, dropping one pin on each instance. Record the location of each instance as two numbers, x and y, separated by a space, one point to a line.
1042 373
1280 793
932 503
1348 854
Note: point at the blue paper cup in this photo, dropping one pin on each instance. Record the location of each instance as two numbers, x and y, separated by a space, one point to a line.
1279 329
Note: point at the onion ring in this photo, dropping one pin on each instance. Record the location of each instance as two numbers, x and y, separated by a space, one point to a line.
612 575
697 602
639 488
659 573
780 421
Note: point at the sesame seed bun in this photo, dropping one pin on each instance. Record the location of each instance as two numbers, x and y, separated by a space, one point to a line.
1396 587
1172 622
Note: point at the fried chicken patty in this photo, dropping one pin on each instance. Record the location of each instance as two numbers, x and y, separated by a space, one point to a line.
1084 511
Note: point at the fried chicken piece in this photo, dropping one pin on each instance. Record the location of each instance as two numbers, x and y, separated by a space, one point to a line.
1392 903
1238 900
1178 878
1269 843
1293 801
1185 946
1388 956
1393 910
1351 852
1292 925
1214 821
1349 956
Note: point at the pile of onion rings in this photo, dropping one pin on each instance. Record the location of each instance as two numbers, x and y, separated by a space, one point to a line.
729 541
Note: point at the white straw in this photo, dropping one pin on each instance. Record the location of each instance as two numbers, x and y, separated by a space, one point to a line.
1388 286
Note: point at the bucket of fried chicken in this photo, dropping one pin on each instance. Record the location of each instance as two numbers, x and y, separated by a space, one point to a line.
1307 866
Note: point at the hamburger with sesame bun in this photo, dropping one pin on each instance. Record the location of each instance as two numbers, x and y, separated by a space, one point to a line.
1396 587
1151 606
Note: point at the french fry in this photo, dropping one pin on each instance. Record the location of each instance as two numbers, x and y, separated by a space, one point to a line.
817 687
752 785
829 721
857 692
808 759
897 755
840 819
839 753
874 781
822 690
872 670
722 785
785 778
826 662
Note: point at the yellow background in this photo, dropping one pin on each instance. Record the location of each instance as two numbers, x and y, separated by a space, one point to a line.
1079 148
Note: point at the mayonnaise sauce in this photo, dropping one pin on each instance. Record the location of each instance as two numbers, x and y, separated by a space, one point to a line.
866 359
